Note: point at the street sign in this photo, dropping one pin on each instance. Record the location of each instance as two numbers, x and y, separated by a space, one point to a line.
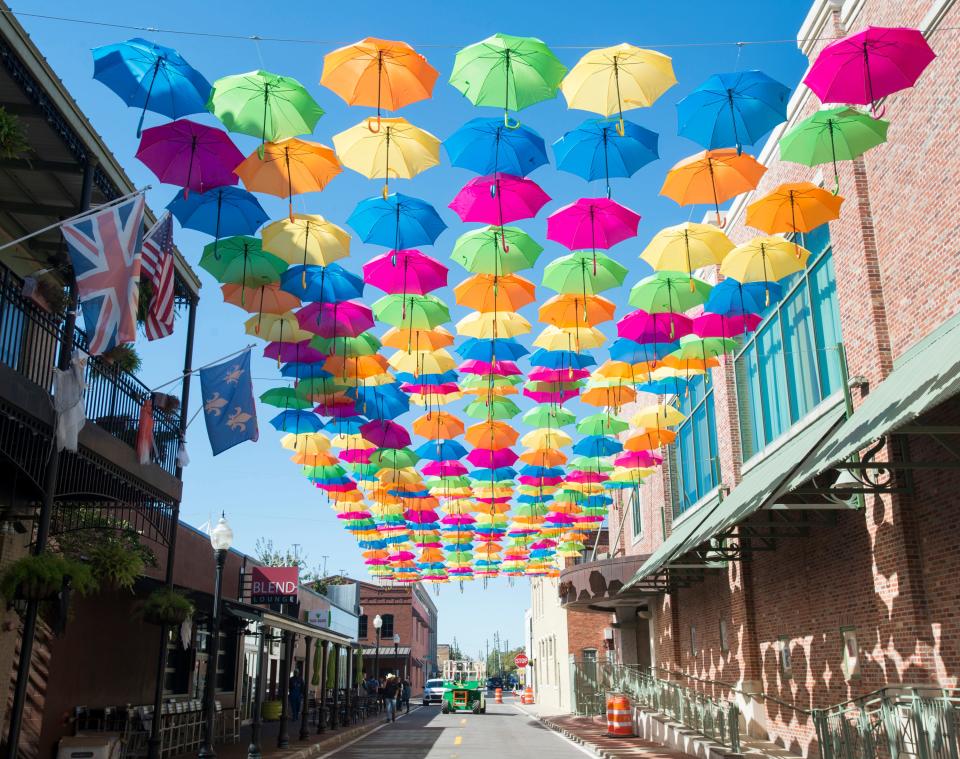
521 660
274 585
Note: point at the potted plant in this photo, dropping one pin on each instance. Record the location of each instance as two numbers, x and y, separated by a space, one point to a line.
13 137
124 358
36 578
114 565
166 607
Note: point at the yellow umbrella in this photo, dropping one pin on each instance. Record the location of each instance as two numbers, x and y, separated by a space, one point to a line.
306 239
616 79
634 474
375 380
276 328
417 339
310 443
764 259
493 324
434 399
657 416
569 338
546 437
687 247
422 362
397 149
403 476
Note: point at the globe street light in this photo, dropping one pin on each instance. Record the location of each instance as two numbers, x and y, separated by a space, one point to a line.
377 624
396 655
221 538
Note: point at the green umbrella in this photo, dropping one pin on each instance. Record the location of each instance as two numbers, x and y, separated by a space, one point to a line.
508 72
474 381
480 251
394 458
601 424
702 348
669 292
459 481
264 105
552 387
411 311
530 510
364 344
240 260
323 472
836 134
584 273
496 408
363 469
284 397
590 463
548 416
317 386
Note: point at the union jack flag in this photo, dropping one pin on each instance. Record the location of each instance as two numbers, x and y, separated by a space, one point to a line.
105 251
157 267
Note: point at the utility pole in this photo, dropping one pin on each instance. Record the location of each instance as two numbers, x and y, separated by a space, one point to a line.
324 566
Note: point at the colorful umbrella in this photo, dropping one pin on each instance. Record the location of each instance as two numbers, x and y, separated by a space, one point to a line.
493 324
289 167
566 310
496 250
397 221
597 150
507 72
385 434
583 272
732 298
499 200
151 77
438 425
321 283
486 292
275 328
794 207
686 247
265 299
764 259
306 239
642 327
487 146
669 292
712 176
419 339
592 223
335 319
411 312
405 271
240 260
190 155
220 211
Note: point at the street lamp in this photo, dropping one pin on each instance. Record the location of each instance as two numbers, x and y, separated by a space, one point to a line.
377 624
221 538
396 656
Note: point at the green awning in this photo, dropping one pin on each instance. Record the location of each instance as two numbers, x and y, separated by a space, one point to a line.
762 483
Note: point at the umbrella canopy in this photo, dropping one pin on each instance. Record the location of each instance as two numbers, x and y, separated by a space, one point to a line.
151 77
601 424
385 434
794 207
869 65
265 299
286 397
496 250
643 327
417 339
405 271
507 72
545 416
493 408
411 311
733 109
335 319
240 260
764 259
492 435
583 272
397 221
264 105
487 146
289 167
499 199
486 292
328 283
190 155
222 211
686 247
597 150
712 176
438 425
693 347
493 324
275 328
306 239
669 292
658 416
397 149
592 223
567 310
732 298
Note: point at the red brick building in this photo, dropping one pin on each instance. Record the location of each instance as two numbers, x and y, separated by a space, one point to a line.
796 551
408 612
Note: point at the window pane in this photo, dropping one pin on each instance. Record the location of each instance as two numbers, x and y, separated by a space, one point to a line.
773 390
803 381
696 444
826 322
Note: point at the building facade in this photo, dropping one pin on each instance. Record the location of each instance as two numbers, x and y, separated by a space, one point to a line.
794 553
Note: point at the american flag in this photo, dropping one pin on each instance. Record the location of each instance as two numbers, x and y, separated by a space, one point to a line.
104 249
158 269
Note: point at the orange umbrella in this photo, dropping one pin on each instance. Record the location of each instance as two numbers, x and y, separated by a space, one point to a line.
288 168
314 459
266 299
616 370
438 425
546 457
647 440
614 395
492 435
794 207
356 366
568 310
417 339
488 292
501 390
712 176
378 73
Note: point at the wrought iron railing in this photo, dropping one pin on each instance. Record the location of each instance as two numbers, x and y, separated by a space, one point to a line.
30 339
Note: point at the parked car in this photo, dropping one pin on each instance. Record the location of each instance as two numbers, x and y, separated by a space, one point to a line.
433 692
493 683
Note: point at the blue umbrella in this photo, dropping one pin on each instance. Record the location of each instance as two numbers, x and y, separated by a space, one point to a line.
666 386
731 298
441 450
223 211
734 109
500 473
486 146
427 379
297 422
487 350
329 284
542 471
624 349
381 401
304 371
151 77
597 445
347 425
594 150
561 359
397 221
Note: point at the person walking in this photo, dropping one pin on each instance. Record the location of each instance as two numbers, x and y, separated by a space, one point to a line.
295 694
390 689
405 691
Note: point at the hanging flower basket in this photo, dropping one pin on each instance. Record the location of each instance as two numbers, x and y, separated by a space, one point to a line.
166 607
38 578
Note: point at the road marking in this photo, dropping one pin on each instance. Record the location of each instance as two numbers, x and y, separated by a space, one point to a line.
382 725
463 721
458 740
564 738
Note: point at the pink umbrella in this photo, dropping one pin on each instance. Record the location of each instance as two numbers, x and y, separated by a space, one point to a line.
337 488
458 519
447 388
337 408
385 434
642 327
591 223
191 155
500 368
345 319
499 200
557 518
421 517
541 396
490 501
300 353
444 469
357 455
527 479
641 459
542 374
484 457
405 271
582 476
869 65
717 325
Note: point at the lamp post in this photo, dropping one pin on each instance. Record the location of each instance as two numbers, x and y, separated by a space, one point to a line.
396 655
377 624
221 538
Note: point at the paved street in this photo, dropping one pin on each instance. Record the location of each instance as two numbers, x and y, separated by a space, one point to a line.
427 734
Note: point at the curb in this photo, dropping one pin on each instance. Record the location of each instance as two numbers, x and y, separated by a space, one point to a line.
346 736
592 747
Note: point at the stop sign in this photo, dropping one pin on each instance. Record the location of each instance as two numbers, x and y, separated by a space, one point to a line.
521 660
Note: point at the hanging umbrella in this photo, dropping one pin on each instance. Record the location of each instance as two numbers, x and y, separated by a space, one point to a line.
285 398
297 422
240 260
732 298
794 207
381 74
275 328
657 417
151 77
496 250
421 339
632 351
499 200
569 338
397 149
542 416
335 319
329 283
686 247
364 344
298 353
264 105
712 176
592 223
439 425
289 167
490 350
614 79
385 434
733 109
485 292
597 150
422 362
601 424
265 299
649 440
694 347
487 146
836 134
405 271
669 292
411 311
306 239
869 65
220 211
764 259
719 326
493 324
583 272
399 222
507 72
566 310
190 155
642 327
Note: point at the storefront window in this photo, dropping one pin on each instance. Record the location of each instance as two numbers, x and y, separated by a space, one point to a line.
696 444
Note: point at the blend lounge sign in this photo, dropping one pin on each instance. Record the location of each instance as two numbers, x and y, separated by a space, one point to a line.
274 585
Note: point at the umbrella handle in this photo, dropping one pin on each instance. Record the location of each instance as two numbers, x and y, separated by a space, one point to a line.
877 113
370 124
514 124
721 221
621 129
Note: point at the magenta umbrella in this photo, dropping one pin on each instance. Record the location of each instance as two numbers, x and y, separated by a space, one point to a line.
499 200
500 368
405 271
591 223
335 409
717 325
444 469
638 459
543 374
191 155
357 455
484 457
869 65
582 476
345 319
642 327
543 396
458 519
385 434
528 479
299 353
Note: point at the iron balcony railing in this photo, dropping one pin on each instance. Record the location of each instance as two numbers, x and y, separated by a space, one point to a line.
30 339
716 719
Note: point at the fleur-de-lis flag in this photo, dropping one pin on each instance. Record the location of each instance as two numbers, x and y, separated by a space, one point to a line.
228 406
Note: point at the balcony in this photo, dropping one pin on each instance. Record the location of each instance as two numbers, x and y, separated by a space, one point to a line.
596 585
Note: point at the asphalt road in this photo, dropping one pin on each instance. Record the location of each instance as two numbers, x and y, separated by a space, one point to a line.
425 733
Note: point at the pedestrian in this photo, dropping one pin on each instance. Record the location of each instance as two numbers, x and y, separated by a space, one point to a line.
390 689
295 693
407 687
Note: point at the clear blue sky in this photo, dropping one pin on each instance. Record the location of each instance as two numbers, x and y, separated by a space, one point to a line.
259 488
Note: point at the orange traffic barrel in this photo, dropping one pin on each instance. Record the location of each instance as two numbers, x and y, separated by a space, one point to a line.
498 696
619 716
527 695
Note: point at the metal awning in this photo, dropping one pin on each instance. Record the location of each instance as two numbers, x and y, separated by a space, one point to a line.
272 619
761 485
386 651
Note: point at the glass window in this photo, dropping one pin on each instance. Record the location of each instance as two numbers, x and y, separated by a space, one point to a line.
387 630
362 626
636 512
695 449
790 363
